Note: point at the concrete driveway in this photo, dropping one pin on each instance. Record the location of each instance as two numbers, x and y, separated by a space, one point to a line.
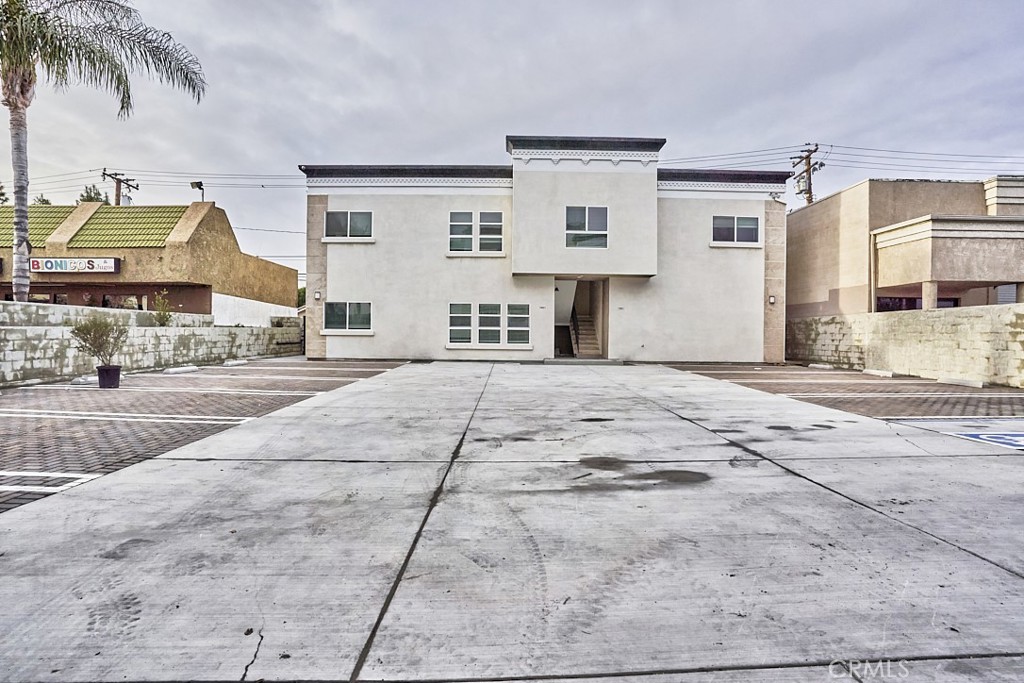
476 522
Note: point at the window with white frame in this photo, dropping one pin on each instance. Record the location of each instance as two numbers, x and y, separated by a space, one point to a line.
466 235
586 226
460 323
488 324
346 315
742 229
348 224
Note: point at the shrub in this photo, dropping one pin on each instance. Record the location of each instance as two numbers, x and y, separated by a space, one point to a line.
161 309
100 336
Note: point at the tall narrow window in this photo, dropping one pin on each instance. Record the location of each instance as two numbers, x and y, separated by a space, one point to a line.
460 323
490 231
460 231
348 224
586 226
518 323
489 324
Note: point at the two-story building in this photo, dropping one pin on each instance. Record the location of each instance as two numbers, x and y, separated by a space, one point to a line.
581 247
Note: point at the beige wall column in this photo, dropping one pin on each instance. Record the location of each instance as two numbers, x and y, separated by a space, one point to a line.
1020 292
316 275
929 295
774 282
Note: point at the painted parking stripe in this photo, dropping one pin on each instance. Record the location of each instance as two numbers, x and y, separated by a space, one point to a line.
951 418
203 375
180 390
1014 440
913 394
79 479
123 417
282 367
830 381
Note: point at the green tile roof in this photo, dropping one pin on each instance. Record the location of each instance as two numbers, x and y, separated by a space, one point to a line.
127 226
42 221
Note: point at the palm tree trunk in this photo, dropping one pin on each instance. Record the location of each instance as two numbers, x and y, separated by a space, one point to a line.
19 159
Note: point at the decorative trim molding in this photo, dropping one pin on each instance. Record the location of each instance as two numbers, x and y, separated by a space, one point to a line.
684 186
583 155
409 182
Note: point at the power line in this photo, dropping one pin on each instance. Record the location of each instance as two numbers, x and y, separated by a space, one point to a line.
290 232
940 154
732 154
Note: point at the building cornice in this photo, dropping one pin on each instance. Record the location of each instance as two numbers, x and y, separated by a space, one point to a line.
525 156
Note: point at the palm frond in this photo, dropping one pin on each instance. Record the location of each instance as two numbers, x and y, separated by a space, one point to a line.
90 11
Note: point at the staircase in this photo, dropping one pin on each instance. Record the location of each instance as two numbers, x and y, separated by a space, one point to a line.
587 344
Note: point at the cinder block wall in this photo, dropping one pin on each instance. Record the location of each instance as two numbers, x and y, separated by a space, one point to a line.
46 352
983 343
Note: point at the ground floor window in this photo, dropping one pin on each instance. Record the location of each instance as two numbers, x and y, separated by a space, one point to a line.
346 315
488 323
909 303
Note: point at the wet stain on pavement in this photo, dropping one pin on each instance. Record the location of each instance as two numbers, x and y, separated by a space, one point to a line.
121 550
597 419
604 463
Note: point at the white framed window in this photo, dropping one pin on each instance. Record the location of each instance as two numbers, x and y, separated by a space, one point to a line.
460 323
488 325
479 235
347 315
735 229
348 225
586 226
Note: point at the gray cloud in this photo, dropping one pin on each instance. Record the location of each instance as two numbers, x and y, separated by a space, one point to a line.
443 82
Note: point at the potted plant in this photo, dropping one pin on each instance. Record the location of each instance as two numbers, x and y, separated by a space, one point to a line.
102 337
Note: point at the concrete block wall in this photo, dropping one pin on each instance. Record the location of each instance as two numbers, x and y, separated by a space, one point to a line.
47 352
982 343
14 314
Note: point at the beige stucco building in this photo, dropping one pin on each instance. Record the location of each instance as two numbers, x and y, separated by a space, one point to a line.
581 247
902 244
121 256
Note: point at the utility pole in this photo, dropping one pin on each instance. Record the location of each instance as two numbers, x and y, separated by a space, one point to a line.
119 180
804 185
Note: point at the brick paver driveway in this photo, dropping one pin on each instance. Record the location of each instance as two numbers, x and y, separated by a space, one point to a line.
57 429
893 398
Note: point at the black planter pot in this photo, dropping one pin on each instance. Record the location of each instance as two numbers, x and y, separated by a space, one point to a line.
110 376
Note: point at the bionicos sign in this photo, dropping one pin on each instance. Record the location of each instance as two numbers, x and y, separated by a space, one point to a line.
75 265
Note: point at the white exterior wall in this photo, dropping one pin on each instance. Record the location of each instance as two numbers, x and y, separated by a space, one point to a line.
409 279
706 303
233 310
543 191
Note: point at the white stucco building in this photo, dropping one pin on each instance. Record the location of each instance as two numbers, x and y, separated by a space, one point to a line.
582 246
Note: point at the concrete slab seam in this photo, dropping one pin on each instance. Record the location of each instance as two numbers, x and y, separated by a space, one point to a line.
434 499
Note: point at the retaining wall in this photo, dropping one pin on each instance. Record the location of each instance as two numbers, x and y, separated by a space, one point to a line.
982 343
46 352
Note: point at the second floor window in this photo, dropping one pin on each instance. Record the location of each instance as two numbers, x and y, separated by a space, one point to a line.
348 224
734 229
586 226
485 234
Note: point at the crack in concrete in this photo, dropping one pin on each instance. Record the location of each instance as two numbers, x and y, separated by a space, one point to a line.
434 499
255 654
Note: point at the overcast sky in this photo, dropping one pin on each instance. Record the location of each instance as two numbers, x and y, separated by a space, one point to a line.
325 81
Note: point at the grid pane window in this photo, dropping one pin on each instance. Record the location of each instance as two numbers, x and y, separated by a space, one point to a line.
460 323
460 231
586 226
489 323
518 319
342 315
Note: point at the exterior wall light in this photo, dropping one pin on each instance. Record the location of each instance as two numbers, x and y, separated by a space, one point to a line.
771 299
316 295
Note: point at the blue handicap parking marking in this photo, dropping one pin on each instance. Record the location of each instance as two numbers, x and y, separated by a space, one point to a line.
1013 440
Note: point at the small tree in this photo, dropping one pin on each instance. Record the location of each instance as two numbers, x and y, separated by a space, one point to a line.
100 336
3 196
302 296
41 200
91 193
161 309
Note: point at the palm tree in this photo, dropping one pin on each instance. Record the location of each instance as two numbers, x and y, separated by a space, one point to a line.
95 42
